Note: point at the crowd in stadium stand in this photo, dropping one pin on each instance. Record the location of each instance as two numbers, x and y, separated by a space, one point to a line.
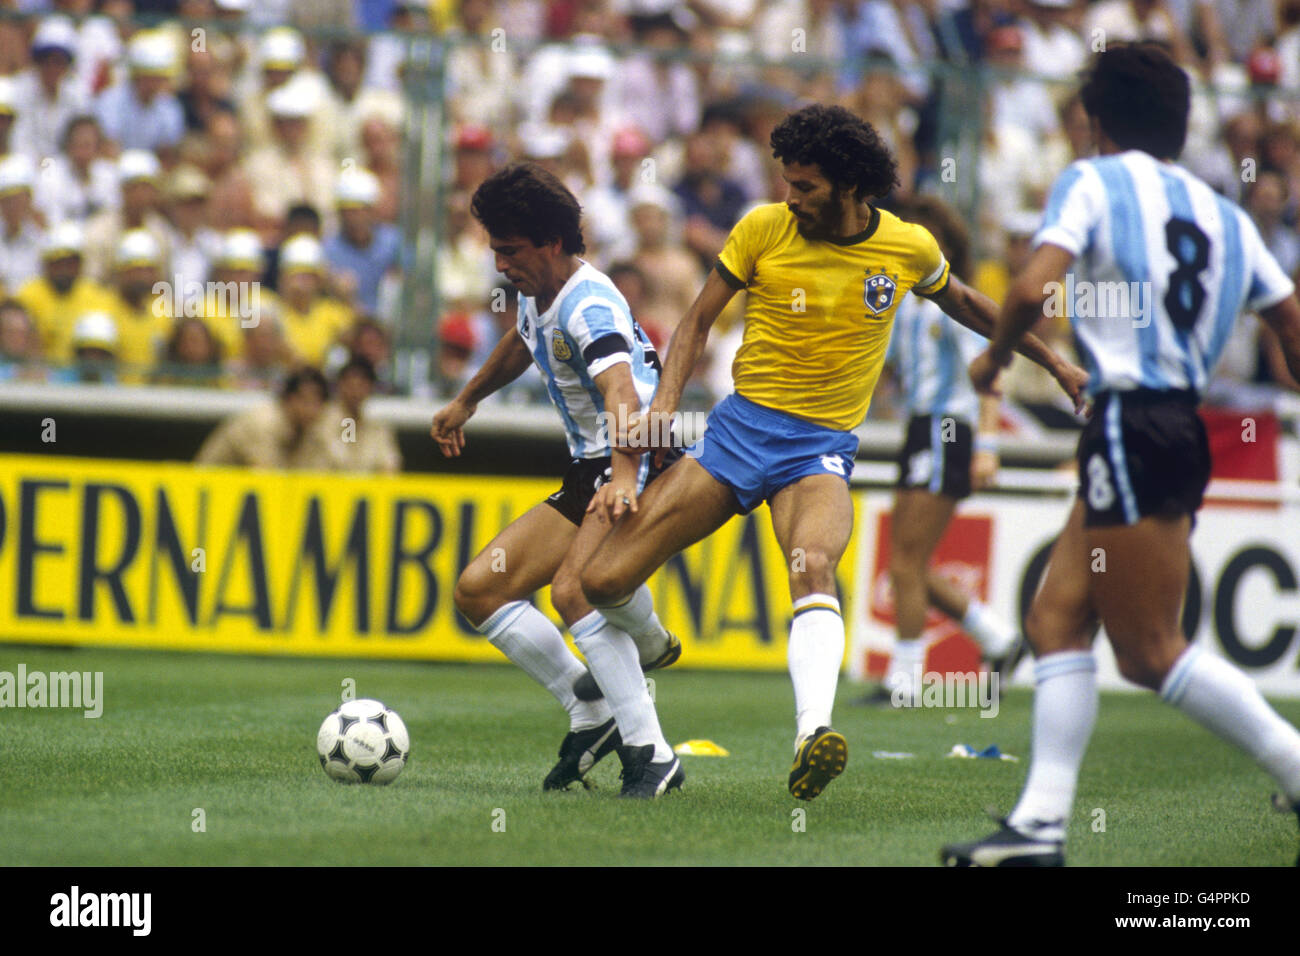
265 149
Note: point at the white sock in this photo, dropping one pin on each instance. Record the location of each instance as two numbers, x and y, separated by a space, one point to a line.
636 618
1065 711
994 635
906 664
1221 698
612 657
815 654
523 634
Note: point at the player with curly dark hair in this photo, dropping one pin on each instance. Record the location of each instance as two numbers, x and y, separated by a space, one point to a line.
600 370
526 200
824 272
848 151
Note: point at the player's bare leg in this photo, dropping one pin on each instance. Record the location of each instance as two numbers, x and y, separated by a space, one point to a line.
813 519
919 521
683 505
649 765
493 593
1140 599
1060 628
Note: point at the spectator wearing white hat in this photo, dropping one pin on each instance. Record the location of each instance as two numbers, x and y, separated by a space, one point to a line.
20 232
143 112
94 351
141 310
312 321
139 176
194 244
361 252
62 291
290 170
236 299
46 94
79 182
281 62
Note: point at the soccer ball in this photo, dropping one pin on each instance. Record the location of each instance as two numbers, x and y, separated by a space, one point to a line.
363 742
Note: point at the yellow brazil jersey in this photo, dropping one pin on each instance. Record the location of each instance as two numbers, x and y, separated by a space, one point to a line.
55 315
819 312
142 335
230 307
310 334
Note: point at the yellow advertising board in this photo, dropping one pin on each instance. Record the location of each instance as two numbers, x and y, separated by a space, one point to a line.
178 557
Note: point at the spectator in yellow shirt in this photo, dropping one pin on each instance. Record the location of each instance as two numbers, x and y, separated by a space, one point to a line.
234 299
142 311
61 293
312 321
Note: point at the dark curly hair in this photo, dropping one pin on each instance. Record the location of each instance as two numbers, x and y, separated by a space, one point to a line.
1140 97
847 149
526 200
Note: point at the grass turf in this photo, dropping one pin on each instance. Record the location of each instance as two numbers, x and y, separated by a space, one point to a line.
234 736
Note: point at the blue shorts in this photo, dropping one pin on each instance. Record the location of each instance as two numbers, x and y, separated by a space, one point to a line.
756 451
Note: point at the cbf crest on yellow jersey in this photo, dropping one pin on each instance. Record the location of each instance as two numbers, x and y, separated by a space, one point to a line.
819 312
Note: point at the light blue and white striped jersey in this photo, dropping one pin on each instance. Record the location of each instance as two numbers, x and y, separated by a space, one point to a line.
587 329
1164 266
931 352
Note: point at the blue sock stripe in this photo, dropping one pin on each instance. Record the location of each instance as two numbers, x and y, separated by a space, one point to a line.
1057 664
817 607
502 618
1176 680
588 625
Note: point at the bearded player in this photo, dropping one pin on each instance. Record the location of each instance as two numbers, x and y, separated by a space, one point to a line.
600 369
824 272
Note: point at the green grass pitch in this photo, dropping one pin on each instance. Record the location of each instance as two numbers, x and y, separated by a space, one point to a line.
235 737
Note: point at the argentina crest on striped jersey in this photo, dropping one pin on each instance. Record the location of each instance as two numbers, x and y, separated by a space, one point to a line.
878 292
587 328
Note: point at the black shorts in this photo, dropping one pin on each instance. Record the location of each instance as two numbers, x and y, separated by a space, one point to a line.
936 456
1142 453
585 476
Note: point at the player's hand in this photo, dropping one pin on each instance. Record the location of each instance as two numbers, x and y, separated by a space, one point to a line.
658 434
983 469
984 374
1074 380
448 427
614 499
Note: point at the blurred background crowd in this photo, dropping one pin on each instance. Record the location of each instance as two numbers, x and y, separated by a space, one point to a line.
217 193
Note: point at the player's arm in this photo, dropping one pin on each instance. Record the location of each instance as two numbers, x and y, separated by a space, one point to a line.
622 405
506 363
1284 320
984 456
1009 332
688 341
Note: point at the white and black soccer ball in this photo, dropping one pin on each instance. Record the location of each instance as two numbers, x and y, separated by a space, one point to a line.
363 742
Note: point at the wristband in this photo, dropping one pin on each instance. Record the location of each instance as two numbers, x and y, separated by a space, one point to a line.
984 443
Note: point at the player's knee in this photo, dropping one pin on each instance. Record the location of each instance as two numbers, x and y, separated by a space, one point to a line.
811 572
905 568
1147 664
601 584
567 597
473 595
